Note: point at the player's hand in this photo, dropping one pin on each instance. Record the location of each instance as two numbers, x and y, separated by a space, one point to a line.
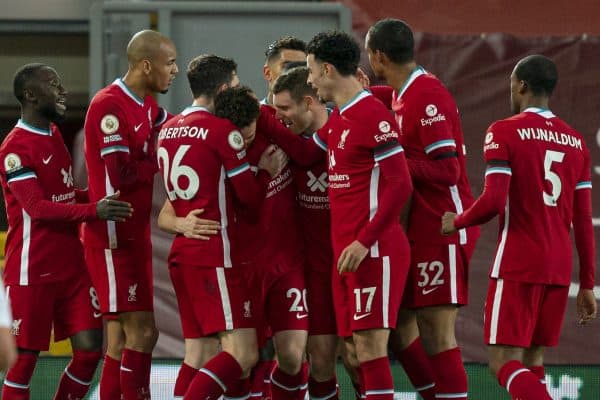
351 257
113 209
273 160
448 223
193 227
586 306
363 78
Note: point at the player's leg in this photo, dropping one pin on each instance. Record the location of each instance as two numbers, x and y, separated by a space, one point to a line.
77 317
510 312
322 352
533 358
406 345
436 324
110 378
289 379
371 352
347 353
239 355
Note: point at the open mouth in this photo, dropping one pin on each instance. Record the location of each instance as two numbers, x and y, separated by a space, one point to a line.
61 103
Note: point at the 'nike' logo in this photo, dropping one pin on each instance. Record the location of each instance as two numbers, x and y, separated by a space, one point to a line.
137 127
427 291
97 314
47 160
126 369
357 317
301 316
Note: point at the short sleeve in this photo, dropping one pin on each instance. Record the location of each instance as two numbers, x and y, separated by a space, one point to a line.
108 126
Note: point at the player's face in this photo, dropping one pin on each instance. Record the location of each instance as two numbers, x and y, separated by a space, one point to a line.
374 60
249 133
50 95
163 68
295 115
235 80
275 68
317 78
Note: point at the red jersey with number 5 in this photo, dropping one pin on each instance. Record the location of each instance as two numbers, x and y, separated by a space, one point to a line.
203 163
548 161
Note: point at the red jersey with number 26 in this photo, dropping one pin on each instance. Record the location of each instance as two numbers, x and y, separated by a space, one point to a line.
547 161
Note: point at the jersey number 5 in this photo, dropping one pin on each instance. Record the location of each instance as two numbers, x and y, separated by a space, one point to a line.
173 173
549 175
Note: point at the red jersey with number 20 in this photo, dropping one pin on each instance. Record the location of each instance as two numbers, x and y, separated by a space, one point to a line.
204 165
547 161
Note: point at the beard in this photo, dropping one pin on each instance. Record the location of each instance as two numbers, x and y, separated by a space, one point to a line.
52 114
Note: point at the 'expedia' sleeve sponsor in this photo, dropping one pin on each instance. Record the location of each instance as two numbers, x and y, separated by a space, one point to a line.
495 146
435 114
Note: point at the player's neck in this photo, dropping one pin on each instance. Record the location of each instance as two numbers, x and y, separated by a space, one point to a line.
398 74
320 118
537 102
205 102
348 88
30 117
135 84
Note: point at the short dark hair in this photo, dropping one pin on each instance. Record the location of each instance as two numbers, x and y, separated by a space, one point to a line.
22 77
292 64
294 81
394 38
336 48
237 104
284 43
539 72
207 72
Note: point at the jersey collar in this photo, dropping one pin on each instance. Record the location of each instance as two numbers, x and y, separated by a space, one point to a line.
25 126
543 112
119 82
190 109
417 72
361 95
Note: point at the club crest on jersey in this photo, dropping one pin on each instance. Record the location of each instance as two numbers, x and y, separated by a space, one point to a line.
109 124
247 309
384 126
12 162
342 142
132 293
431 110
16 327
236 140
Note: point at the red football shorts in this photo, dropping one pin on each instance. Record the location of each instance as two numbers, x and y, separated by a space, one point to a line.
211 300
439 274
524 314
122 277
67 306
370 297
319 299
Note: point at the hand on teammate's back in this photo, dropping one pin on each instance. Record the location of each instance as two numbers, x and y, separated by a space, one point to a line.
273 160
113 209
586 306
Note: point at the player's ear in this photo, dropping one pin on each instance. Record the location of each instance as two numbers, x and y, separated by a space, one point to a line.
29 96
523 87
267 72
146 66
308 100
222 87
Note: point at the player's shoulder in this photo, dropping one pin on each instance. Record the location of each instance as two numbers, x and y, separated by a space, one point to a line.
428 89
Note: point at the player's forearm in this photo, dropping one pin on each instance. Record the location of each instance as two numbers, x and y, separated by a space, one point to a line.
583 230
443 171
167 220
303 152
126 173
491 202
31 197
396 191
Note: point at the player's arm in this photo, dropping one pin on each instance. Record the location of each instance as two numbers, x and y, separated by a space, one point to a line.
190 226
491 202
583 231
304 153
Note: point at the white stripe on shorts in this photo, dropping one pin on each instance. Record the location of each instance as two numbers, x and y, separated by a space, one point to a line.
385 289
227 315
496 311
112 281
452 262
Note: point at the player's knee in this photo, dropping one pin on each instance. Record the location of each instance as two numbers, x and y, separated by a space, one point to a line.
290 356
89 341
247 357
437 341
322 368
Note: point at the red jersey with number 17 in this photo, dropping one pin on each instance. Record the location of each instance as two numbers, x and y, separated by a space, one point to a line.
204 165
547 161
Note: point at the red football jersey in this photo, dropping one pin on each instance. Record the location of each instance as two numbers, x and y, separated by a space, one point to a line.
119 121
275 235
39 251
429 123
357 137
547 160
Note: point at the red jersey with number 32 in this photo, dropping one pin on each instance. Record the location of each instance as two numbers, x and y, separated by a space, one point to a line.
200 156
547 161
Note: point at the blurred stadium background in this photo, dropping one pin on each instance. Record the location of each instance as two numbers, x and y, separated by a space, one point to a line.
471 45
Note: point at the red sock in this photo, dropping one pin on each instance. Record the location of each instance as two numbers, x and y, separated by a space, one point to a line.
326 390
540 372
418 368
267 391
285 387
110 379
184 378
212 380
378 382
78 375
521 383
257 379
238 390
16 382
450 376
135 375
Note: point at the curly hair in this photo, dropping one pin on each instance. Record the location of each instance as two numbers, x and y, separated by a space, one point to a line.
294 81
394 38
207 72
237 104
284 43
336 48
